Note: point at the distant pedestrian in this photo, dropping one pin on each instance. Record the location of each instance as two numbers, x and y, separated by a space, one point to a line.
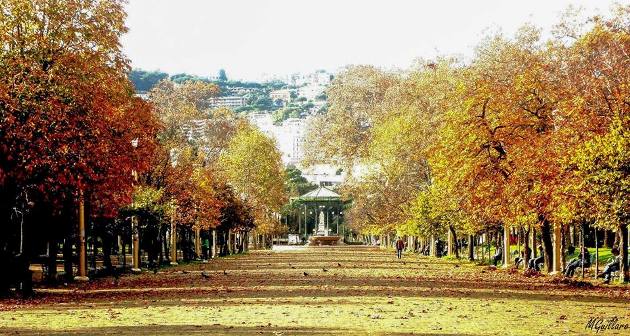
400 245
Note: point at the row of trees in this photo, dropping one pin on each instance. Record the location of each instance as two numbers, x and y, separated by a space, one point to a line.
75 143
532 133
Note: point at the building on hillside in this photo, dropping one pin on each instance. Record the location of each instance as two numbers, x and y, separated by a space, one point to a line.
312 91
283 95
228 101
324 175
289 136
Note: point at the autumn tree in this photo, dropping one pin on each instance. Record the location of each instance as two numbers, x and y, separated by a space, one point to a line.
67 111
252 165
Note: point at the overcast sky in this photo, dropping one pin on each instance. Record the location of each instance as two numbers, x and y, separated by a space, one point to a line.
251 38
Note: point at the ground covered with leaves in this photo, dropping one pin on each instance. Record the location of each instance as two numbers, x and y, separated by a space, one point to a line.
345 290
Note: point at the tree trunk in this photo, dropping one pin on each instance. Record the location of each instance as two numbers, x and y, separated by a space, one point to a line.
107 249
526 249
455 248
67 259
606 245
471 247
563 246
617 239
507 255
545 232
623 249
52 261
534 245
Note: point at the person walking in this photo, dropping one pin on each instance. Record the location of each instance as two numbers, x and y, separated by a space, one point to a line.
400 245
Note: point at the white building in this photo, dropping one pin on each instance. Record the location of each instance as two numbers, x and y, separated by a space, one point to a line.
229 101
289 136
283 95
311 91
324 174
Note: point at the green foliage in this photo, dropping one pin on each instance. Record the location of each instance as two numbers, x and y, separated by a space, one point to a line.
603 166
222 76
296 183
144 81
283 114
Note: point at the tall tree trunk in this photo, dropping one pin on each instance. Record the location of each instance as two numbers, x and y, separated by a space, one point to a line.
107 249
623 247
606 245
67 259
455 247
526 248
545 232
563 246
534 244
617 239
52 261
471 247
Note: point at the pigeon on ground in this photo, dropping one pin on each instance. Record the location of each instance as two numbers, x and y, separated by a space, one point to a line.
305 274
325 270
338 264
224 272
205 275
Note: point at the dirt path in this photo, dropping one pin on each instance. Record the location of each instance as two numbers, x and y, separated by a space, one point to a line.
345 290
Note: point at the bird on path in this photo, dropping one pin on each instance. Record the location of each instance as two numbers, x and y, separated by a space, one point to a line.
325 270
338 264
224 272
205 275
305 274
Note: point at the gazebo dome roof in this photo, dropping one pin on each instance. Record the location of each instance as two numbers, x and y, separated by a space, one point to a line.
321 193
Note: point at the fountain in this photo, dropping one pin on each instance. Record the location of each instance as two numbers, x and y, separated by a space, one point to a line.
322 234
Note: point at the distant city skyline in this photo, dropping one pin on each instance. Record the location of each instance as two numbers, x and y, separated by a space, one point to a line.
254 39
